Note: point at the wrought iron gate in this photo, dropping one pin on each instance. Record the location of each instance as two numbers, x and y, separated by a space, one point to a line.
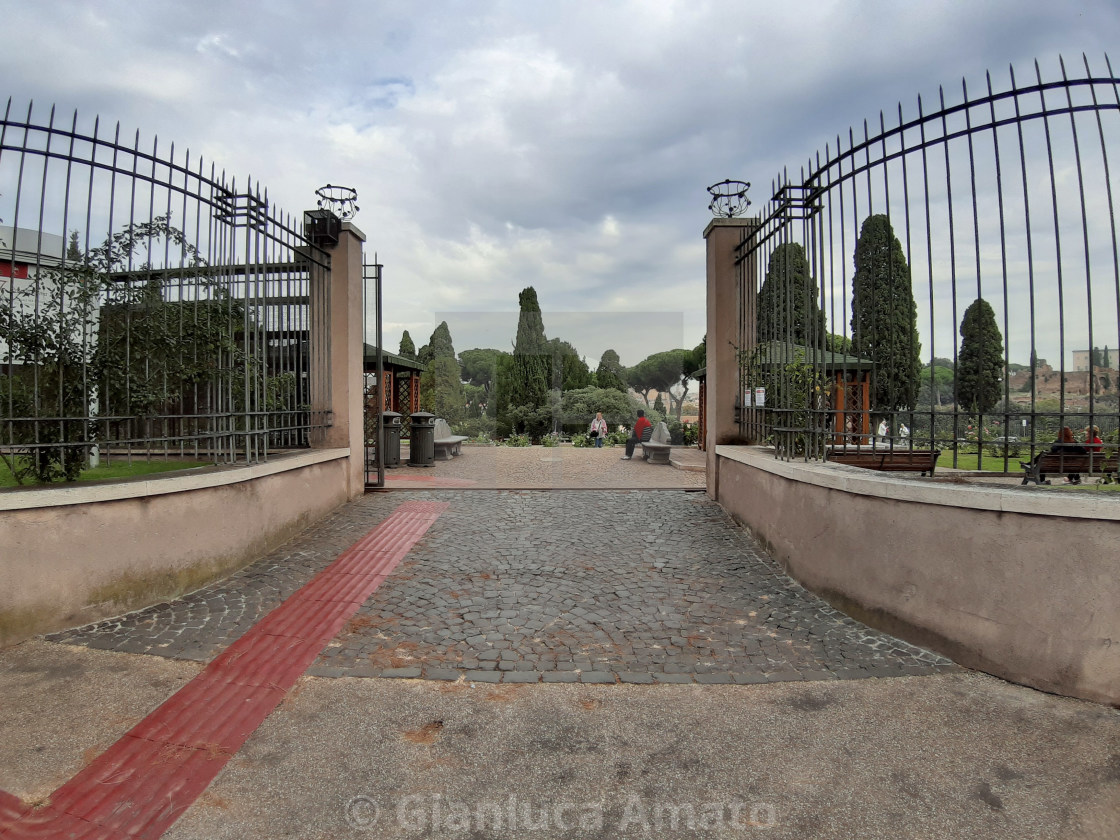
961 264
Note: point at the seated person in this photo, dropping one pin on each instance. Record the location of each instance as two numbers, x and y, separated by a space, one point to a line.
1093 443
643 430
1064 445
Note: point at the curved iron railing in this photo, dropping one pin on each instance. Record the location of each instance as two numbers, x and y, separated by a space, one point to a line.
148 304
1002 197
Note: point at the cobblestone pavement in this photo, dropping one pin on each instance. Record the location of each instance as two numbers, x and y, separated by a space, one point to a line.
529 586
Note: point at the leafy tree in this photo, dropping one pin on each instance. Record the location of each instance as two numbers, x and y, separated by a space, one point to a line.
937 383
885 317
479 367
838 344
407 349
578 407
102 338
569 371
980 360
699 357
662 372
788 307
441 391
609 374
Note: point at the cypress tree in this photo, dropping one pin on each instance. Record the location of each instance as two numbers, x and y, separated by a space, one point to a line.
440 343
609 372
788 307
408 348
980 360
885 317
441 391
523 381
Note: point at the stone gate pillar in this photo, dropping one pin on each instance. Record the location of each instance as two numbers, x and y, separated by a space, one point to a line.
347 380
728 329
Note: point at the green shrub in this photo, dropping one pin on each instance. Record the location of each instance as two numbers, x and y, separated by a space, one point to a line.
550 440
582 439
475 427
690 434
517 440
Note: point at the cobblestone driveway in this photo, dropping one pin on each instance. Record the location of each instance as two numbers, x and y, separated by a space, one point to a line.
526 586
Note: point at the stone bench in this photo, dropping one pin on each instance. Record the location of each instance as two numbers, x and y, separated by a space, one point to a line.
447 445
656 449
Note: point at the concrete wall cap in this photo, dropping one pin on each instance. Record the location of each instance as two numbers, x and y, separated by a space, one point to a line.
77 494
921 490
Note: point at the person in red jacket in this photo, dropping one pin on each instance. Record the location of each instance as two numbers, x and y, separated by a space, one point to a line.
643 429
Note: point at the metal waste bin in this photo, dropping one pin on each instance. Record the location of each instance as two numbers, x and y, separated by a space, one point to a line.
391 430
422 446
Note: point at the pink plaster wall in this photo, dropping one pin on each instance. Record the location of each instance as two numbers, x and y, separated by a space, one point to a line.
55 559
1032 598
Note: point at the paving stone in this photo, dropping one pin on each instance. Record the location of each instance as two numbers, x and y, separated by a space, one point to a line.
597 677
522 677
559 677
635 677
441 674
401 673
483 676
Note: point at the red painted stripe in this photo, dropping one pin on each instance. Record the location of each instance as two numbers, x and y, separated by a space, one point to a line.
146 780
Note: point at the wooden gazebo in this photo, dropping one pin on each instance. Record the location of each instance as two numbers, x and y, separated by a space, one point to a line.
851 386
400 387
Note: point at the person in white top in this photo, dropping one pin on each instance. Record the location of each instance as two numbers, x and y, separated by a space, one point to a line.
598 429
884 432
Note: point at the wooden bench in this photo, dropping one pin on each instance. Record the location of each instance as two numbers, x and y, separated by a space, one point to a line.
446 444
656 449
922 461
1063 463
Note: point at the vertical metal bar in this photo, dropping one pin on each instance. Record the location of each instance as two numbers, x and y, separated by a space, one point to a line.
1084 233
1108 193
1030 258
1057 253
1003 274
380 377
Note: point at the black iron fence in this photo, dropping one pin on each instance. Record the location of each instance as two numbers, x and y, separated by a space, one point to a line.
946 278
148 305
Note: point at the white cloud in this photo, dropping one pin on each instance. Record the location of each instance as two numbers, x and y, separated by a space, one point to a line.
496 145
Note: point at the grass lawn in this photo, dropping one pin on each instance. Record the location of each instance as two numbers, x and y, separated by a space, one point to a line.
988 463
118 469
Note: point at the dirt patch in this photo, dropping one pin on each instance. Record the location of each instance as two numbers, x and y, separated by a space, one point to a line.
425 735
504 694
359 623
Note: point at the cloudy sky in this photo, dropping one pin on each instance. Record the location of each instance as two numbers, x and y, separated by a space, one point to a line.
495 145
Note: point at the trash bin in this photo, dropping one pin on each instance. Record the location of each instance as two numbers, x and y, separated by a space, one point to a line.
422 446
391 430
